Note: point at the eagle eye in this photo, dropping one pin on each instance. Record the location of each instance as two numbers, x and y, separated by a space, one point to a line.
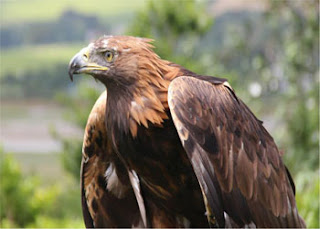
108 55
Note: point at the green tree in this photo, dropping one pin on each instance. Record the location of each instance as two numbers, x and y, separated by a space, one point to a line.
300 59
26 202
177 35
16 207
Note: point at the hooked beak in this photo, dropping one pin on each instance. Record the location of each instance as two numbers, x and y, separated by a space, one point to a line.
80 64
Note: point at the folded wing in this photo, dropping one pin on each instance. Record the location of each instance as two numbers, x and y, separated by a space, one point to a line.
234 158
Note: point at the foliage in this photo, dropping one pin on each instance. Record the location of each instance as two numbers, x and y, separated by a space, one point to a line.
26 203
71 156
16 207
176 35
307 187
300 58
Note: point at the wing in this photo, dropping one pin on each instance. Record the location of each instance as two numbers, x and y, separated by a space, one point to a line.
108 199
226 143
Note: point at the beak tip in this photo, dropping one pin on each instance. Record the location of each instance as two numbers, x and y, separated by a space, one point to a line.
71 76
75 64
70 73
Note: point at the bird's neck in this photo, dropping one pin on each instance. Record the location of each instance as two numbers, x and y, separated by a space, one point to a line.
118 100
142 103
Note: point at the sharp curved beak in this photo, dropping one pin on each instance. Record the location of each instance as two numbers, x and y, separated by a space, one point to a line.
80 64
77 62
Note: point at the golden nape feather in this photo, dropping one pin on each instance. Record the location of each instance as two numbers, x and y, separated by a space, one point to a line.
166 147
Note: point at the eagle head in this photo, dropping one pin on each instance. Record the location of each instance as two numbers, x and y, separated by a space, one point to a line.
113 59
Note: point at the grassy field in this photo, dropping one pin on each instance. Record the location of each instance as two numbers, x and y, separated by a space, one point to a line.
34 10
31 58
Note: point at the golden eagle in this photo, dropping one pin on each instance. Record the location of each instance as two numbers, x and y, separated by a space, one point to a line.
166 147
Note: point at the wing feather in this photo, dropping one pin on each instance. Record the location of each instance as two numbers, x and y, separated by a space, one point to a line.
227 143
108 199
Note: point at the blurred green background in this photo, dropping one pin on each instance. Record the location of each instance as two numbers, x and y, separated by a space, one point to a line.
269 51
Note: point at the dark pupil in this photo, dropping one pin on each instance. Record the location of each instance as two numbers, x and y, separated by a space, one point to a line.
108 54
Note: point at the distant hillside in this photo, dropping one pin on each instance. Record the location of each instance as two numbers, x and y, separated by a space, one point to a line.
20 12
43 22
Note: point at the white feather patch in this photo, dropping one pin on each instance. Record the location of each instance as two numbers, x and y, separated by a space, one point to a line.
105 43
114 185
227 85
135 183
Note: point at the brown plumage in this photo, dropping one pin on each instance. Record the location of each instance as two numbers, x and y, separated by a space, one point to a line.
165 147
